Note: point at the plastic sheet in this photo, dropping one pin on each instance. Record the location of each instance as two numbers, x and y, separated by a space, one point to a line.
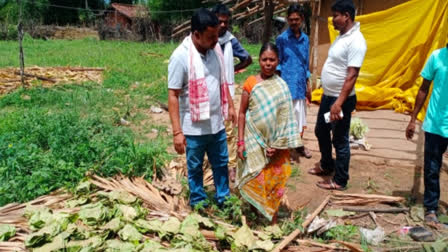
399 41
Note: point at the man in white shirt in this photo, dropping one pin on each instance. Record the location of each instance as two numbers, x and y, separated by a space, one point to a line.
339 75
199 100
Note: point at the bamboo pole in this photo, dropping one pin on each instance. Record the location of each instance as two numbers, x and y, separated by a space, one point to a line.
20 37
315 46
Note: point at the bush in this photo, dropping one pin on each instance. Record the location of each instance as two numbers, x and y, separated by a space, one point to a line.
8 32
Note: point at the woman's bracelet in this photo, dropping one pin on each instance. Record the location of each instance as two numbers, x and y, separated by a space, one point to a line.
240 143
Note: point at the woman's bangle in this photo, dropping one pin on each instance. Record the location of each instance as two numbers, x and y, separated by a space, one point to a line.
177 133
240 143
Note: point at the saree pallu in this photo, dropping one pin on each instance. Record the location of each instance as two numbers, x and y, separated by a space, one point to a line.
270 123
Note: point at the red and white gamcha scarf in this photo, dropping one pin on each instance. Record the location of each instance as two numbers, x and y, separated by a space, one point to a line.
197 87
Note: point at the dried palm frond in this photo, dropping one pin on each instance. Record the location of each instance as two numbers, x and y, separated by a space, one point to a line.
153 199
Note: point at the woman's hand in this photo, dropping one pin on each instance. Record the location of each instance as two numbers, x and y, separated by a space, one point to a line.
241 150
270 152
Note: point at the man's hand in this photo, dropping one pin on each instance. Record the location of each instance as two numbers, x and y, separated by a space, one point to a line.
179 143
335 112
410 130
232 116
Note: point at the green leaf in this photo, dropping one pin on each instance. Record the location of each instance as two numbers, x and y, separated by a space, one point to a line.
338 213
171 226
152 226
84 188
150 246
190 226
59 242
42 236
443 219
119 246
6 232
122 197
130 233
263 245
127 212
93 214
114 225
39 217
274 231
244 237
90 244
220 232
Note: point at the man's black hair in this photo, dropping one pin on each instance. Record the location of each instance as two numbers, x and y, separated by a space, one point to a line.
203 18
221 9
296 8
344 6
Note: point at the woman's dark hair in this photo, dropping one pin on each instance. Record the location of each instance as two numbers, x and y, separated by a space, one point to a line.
202 19
221 9
344 6
268 46
296 8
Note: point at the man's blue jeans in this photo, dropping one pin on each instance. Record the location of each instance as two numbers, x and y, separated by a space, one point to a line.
435 146
340 140
216 148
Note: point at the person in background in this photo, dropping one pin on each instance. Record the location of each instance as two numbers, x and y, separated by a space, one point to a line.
266 131
198 101
435 126
293 46
232 49
339 74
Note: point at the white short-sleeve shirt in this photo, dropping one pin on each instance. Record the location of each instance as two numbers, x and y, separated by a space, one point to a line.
178 79
348 50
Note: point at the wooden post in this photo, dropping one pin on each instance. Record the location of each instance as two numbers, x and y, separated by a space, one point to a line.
20 38
268 14
316 44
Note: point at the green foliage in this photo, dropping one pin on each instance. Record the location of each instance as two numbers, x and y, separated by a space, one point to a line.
8 32
289 226
358 128
160 9
341 233
44 151
33 11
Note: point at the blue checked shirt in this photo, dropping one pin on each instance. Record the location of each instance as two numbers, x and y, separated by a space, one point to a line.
294 61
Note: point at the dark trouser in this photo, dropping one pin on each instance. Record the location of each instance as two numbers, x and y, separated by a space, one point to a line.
341 143
435 146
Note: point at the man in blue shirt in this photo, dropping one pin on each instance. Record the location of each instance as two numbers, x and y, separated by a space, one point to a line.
231 48
293 46
435 126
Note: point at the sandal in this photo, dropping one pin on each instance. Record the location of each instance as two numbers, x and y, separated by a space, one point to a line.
330 185
318 171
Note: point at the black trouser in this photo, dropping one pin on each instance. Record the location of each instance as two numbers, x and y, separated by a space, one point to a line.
340 140
435 146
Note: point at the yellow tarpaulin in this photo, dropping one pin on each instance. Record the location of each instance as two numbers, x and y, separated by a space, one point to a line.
399 40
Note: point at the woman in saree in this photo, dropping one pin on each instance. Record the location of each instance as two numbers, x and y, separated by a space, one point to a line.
266 131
